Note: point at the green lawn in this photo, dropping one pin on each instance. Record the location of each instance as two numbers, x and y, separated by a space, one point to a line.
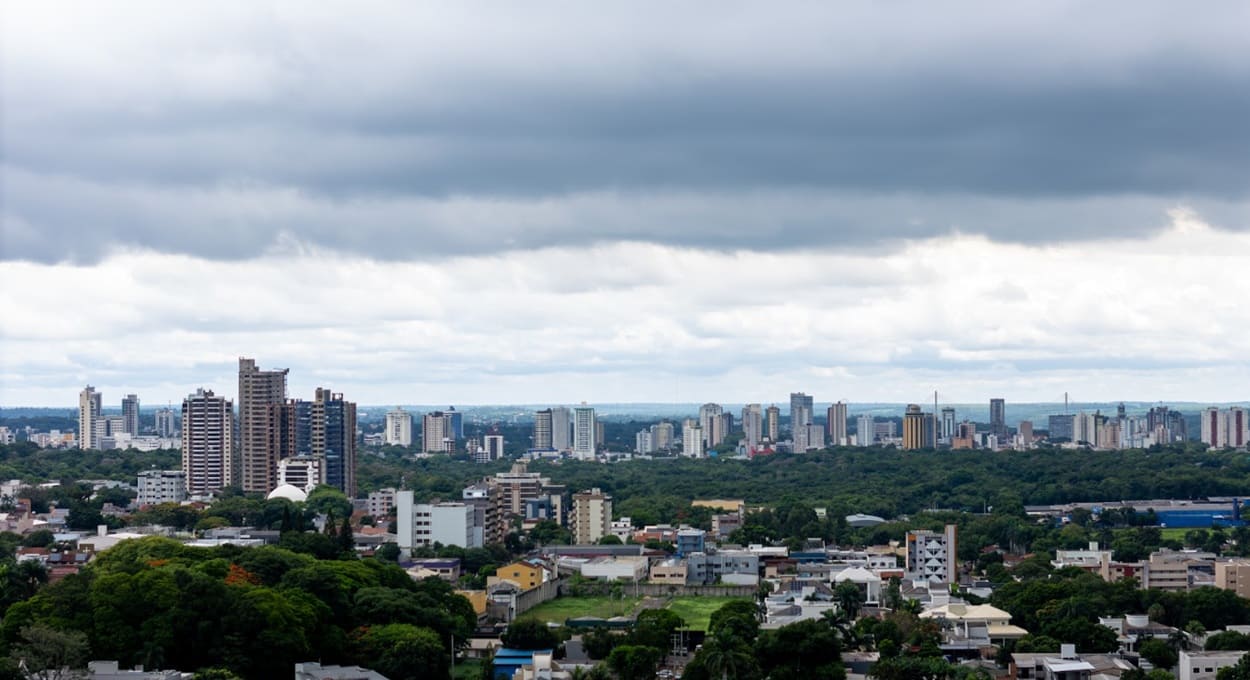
562 608
468 669
697 611
1174 533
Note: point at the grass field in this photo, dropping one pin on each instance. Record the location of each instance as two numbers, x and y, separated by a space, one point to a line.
698 610
562 608
1174 533
468 669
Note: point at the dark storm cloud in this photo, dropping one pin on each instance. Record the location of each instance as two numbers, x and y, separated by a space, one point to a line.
718 128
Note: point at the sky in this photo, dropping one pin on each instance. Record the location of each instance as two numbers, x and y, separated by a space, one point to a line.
553 202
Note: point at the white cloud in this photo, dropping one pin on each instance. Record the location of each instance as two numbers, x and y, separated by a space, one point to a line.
1157 318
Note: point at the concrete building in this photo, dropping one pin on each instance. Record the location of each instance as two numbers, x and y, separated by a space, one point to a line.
752 425
380 503
584 432
836 425
542 430
865 433
947 431
334 440
592 516
616 568
1233 575
166 423
933 556
643 443
90 406
1060 427
424 524
518 486
130 414
998 418
261 396
398 427
913 428
772 419
712 425
561 428
801 411
301 472
1205 665
662 437
207 442
692 440
161 486
492 445
489 514
436 433
731 567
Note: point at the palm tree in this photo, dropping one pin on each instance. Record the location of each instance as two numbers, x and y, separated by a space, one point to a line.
849 599
725 656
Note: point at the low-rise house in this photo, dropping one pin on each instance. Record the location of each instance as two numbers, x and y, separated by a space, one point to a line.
526 574
111 670
1066 665
1134 629
869 584
1205 665
972 626
616 568
447 569
671 571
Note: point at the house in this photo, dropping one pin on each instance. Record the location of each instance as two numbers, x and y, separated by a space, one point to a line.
1205 665
672 571
1134 629
508 662
869 584
972 626
1067 665
447 569
311 670
526 574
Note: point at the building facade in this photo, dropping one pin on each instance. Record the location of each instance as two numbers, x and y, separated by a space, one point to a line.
592 516
584 432
90 405
160 486
933 556
207 443
836 424
398 427
262 395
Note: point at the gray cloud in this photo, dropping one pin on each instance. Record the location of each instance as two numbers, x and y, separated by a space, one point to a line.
436 131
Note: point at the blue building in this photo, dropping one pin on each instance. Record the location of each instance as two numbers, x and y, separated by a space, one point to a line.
690 541
508 661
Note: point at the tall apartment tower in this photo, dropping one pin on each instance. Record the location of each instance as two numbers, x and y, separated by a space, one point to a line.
398 427
865 432
592 516
662 436
692 440
90 404
166 424
836 427
712 423
800 411
130 414
752 425
584 432
436 433
207 442
998 418
561 425
948 424
1236 427
334 440
542 429
772 418
262 394
913 428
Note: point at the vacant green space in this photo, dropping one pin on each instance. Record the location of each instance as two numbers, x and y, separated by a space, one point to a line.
697 611
1173 533
562 608
468 669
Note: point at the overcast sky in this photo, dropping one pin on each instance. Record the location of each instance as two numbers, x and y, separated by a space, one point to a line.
556 202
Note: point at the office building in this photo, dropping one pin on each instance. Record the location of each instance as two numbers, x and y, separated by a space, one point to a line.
518 486
207 442
262 394
643 443
933 556
90 405
712 424
492 446
800 411
998 418
1025 432
662 436
130 415
913 428
1061 427
692 440
584 432
160 486
542 431
334 440
836 424
166 423
948 424
865 433
561 428
455 422
422 525
772 418
592 516
752 425
398 427
436 433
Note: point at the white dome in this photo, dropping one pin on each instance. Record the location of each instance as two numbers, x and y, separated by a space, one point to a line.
288 491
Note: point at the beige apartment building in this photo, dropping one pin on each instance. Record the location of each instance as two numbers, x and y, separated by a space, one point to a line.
592 516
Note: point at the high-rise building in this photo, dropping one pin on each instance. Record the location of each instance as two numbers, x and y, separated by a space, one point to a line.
643 442
262 395
592 516
933 556
913 428
422 525
334 440
692 439
90 405
998 418
166 423
436 436
800 411
1085 428
772 418
662 436
398 427
455 421
865 433
492 444
752 425
130 414
584 432
948 424
207 442
561 426
1236 427
542 430
712 425
1025 430
1060 427
836 425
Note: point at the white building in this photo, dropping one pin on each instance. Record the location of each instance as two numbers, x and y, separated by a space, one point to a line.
865 433
492 444
712 424
836 415
301 472
380 502
436 433
692 441
89 407
752 425
643 443
207 442
7 436
933 556
161 486
398 427
627 568
424 524
166 423
583 432
1205 665
561 424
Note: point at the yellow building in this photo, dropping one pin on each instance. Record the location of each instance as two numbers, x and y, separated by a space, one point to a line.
913 428
477 598
527 576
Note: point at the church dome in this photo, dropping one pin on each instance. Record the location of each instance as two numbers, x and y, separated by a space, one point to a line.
289 492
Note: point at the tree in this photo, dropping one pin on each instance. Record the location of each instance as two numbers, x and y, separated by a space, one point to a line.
723 656
1228 640
326 499
50 654
610 539
849 598
402 652
215 674
737 618
1238 671
806 649
529 634
1158 653
634 662
387 552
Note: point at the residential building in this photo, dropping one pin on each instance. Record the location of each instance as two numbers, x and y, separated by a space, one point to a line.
525 574
643 443
662 436
489 513
933 556
1060 427
692 440
592 516
711 423
1205 665
207 442
542 430
772 418
1179 571
800 411
690 540
561 427
492 445
752 425
455 423
398 427
1025 432
998 418
865 433
947 431
166 423
262 394
380 503
424 524
584 432
90 405
1233 575
436 433
836 424
161 486
130 414
518 486
334 440
913 428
